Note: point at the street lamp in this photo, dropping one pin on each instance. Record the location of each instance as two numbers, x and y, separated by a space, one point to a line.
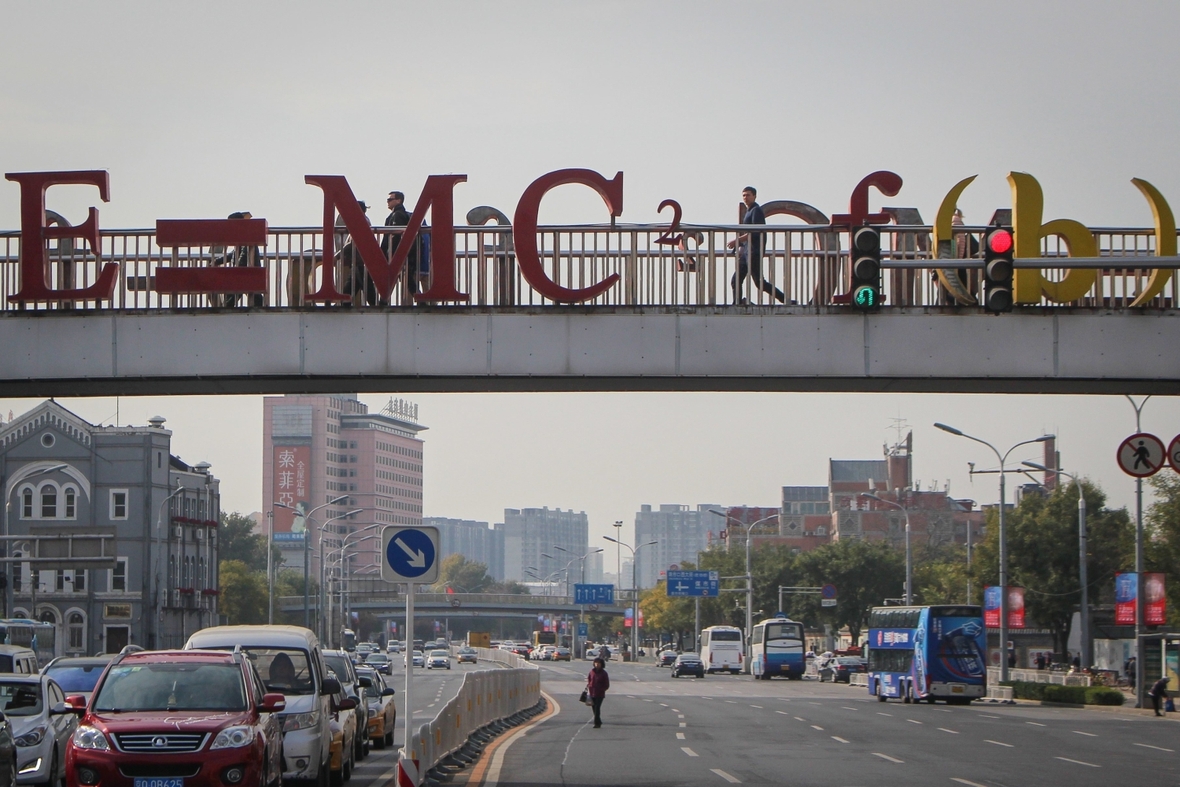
1003 535
322 594
307 550
581 610
749 576
635 590
618 554
909 555
344 544
1084 607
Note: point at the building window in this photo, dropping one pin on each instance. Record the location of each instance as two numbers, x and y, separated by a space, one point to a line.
71 503
80 581
77 630
26 504
118 504
49 502
60 581
119 576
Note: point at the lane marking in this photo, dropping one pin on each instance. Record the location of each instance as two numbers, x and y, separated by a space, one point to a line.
494 764
649 700
759 707
676 710
879 713
682 724
726 776
680 715
783 712
845 707
838 738
689 751
1079 762
731 702
817 727
814 703
663 704
1087 734
913 721
999 743
1035 723
800 718
966 782
1157 748
943 710
984 715
680 736
887 757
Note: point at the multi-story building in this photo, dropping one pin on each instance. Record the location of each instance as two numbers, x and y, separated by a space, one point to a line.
680 534
325 456
594 568
532 533
475 541
64 476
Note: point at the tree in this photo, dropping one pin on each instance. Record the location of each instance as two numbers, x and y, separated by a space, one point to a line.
664 614
940 575
239 541
511 587
1162 539
463 575
242 593
865 574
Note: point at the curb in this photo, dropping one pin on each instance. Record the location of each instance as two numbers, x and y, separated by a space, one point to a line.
471 753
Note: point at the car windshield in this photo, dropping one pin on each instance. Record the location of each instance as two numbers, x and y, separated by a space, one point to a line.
848 660
377 658
285 671
172 686
20 699
467 651
439 653
340 665
76 679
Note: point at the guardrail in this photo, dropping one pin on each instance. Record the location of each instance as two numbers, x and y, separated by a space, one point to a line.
695 266
358 587
859 679
484 697
1040 676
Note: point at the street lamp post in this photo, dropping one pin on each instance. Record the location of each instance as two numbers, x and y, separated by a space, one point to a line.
1084 607
1003 536
307 551
581 609
749 576
321 600
344 544
1139 661
635 590
909 554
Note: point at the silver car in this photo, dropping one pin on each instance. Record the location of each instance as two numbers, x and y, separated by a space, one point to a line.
41 726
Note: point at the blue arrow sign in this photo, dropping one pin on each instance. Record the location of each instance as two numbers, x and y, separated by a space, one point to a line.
410 554
594 594
693 583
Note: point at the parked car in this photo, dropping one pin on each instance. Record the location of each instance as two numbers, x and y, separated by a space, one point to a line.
439 659
348 736
288 660
380 662
688 664
382 709
468 656
8 765
200 717
77 675
417 657
841 668
338 662
666 658
42 724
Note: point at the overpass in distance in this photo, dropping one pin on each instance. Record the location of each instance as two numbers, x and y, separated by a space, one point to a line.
668 322
375 598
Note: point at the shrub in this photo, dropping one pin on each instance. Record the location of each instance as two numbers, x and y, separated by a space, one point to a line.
1071 695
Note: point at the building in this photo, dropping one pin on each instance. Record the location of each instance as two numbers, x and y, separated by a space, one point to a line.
476 541
532 533
325 457
680 533
65 477
594 569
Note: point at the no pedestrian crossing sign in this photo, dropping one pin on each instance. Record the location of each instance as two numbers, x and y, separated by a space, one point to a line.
411 554
693 583
1141 455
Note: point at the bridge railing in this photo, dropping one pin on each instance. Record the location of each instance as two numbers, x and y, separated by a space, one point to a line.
367 588
697 266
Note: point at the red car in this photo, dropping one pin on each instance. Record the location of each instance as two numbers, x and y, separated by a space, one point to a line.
190 718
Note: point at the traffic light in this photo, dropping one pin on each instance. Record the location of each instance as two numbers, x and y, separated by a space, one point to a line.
866 268
998 250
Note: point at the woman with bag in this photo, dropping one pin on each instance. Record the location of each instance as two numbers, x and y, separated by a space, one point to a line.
597 682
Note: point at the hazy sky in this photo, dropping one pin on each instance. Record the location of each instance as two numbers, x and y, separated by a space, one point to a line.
201 109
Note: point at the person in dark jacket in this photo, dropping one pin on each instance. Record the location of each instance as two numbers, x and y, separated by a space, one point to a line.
597 682
1158 693
400 217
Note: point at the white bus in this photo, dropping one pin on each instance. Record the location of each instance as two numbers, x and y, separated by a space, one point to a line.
721 649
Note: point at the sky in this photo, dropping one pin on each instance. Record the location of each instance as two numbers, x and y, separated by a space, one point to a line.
201 109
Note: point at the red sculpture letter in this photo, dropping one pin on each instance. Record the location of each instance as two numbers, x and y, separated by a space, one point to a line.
524 230
34 266
211 232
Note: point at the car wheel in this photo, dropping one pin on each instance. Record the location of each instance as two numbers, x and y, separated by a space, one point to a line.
389 738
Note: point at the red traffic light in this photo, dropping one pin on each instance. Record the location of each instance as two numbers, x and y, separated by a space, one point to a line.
1000 241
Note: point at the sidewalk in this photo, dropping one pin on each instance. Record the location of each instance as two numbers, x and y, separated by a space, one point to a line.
1126 710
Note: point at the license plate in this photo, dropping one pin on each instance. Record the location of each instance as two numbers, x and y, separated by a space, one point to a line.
159 782
954 690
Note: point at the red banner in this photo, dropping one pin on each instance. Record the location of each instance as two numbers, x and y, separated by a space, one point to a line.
292 477
1015 608
1155 603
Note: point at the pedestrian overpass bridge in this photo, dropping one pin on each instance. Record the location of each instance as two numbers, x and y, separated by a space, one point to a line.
662 316
383 599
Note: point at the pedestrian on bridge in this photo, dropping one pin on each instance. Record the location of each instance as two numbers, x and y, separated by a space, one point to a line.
597 683
749 251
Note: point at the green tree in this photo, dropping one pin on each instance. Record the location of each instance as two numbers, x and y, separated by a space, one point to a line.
940 575
510 586
242 593
865 574
1162 539
463 575
239 541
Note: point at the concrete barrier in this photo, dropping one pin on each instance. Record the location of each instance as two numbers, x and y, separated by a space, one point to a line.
859 679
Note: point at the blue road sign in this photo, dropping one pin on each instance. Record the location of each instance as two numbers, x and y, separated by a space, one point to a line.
594 594
693 583
583 630
410 554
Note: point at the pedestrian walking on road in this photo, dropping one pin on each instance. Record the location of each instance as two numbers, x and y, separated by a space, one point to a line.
1159 693
597 682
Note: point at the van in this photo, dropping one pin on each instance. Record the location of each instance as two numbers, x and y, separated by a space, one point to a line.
17 660
289 661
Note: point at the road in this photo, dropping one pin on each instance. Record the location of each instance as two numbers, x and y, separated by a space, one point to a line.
734 730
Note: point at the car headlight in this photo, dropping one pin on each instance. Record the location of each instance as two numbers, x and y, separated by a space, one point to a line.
32 737
301 721
86 737
233 738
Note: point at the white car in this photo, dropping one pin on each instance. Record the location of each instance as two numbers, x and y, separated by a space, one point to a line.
439 659
418 658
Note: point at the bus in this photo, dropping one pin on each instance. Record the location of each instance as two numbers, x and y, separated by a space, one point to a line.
544 638
776 648
929 653
348 640
721 649
40 637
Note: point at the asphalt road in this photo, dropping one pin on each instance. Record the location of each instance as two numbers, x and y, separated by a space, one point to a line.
734 730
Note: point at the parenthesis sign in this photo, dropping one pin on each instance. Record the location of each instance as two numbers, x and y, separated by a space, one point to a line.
668 239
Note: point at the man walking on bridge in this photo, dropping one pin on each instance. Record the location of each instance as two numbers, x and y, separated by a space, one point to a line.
749 248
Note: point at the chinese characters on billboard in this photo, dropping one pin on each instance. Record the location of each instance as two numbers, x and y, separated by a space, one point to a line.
992 596
991 607
1126 592
292 475
1155 605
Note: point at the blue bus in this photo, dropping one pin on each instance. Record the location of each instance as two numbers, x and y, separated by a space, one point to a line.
929 653
776 647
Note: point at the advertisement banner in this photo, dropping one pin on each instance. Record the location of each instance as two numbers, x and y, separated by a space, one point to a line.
627 618
1155 604
991 607
1126 593
292 479
1015 608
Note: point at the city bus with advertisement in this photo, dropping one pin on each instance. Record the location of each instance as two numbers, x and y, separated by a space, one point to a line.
776 648
721 649
927 653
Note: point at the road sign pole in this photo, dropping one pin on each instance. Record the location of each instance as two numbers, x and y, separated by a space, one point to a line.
407 701
697 627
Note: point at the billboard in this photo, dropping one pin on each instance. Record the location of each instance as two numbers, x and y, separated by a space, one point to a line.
1126 593
1015 608
991 607
1155 603
291 487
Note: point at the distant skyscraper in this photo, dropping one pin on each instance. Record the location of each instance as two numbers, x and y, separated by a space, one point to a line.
680 534
475 541
530 533
594 565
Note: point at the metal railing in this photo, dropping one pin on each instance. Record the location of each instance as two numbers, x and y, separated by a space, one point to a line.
1040 676
804 265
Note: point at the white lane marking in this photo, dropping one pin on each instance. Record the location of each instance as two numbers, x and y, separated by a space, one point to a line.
630 696
726 776
838 738
759 707
984 715
966 782
814 703
680 736
663 704
680 715
783 712
913 721
682 724
1035 723
845 707
1079 762
943 710
886 757
952 732
649 700
1087 734
689 751
817 727
800 718
1157 748
879 713
676 710
998 743
731 702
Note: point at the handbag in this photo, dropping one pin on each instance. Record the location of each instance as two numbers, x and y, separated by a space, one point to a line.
585 698
1169 706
